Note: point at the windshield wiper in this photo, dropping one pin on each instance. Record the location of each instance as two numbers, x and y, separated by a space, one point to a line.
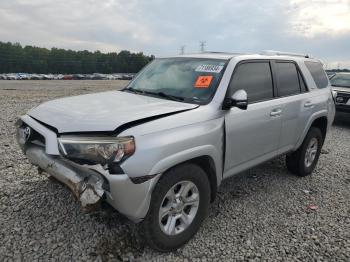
164 95
160 94
133 90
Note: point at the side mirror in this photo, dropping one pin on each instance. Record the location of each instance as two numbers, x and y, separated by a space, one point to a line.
238 99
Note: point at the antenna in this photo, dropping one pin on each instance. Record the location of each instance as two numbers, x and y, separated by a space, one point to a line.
202 45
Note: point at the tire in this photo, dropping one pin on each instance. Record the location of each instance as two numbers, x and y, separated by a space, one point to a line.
296 161
154 227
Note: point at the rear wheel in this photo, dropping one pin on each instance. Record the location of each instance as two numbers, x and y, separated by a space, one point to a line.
179 204
303 161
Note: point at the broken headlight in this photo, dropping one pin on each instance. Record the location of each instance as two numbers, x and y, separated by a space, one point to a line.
102 150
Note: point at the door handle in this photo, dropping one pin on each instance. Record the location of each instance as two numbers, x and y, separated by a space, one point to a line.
308 104
276 112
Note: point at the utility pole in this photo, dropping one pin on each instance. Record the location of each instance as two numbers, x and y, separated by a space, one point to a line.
182 50
202 45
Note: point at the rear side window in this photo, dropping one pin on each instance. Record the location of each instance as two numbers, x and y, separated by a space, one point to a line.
287 79
302 83
255 78
318 74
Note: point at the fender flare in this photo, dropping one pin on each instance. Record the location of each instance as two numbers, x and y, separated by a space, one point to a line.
316 115
188 154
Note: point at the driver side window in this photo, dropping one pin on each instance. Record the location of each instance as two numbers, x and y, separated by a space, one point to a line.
255 78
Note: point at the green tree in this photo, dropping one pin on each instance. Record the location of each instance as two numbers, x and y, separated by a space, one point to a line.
30 59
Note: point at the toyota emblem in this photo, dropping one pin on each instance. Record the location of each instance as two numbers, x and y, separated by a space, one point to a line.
26 133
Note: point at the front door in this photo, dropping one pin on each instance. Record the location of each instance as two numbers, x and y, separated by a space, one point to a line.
252 135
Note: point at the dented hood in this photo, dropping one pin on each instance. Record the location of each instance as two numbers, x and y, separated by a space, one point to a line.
103 111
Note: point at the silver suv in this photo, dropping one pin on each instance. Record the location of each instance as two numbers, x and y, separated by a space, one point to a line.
158 150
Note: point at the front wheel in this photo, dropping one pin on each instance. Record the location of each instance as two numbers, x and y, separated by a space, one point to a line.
179 204
303 161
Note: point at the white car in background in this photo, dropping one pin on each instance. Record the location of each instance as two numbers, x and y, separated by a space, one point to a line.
11 77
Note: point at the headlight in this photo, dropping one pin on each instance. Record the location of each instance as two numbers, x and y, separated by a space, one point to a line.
97 150
334 93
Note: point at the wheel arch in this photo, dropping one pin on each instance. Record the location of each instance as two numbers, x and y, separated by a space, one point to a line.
207 164
319 120
321 123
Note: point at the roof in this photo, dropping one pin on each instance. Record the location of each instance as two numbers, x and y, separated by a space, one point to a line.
210 55
264 55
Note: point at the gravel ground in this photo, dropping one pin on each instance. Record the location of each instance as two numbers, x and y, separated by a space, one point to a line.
262 214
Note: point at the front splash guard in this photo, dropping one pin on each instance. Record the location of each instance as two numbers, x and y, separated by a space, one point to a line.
86 185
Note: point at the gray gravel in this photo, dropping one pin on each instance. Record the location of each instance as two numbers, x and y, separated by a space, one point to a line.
262 214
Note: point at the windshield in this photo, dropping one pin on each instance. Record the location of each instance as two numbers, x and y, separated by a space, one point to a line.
191 80
342 80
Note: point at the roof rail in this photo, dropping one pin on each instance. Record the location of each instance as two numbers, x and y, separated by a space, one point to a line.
272 52
219 52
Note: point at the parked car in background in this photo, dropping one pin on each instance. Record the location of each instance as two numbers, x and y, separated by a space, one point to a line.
23 76
127 76
11 77
47 77
117 76
94 76
79 77
58 77
158 150
68 77
341 91
36 77
97 76
330 74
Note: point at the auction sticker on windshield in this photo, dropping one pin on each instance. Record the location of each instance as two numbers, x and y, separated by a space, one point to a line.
203 81
209 68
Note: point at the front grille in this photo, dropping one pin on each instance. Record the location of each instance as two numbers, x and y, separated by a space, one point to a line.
37 139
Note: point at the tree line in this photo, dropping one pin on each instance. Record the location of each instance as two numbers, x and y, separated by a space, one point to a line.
30 59
338 70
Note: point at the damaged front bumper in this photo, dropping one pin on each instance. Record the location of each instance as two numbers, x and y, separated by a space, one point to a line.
89 184
92 184
86 185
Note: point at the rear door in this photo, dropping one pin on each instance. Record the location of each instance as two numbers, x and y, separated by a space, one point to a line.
252 135
292 93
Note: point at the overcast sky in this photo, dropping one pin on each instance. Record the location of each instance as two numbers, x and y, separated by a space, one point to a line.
160 27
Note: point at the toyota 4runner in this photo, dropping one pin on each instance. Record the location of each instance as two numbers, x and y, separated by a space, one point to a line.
158 149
